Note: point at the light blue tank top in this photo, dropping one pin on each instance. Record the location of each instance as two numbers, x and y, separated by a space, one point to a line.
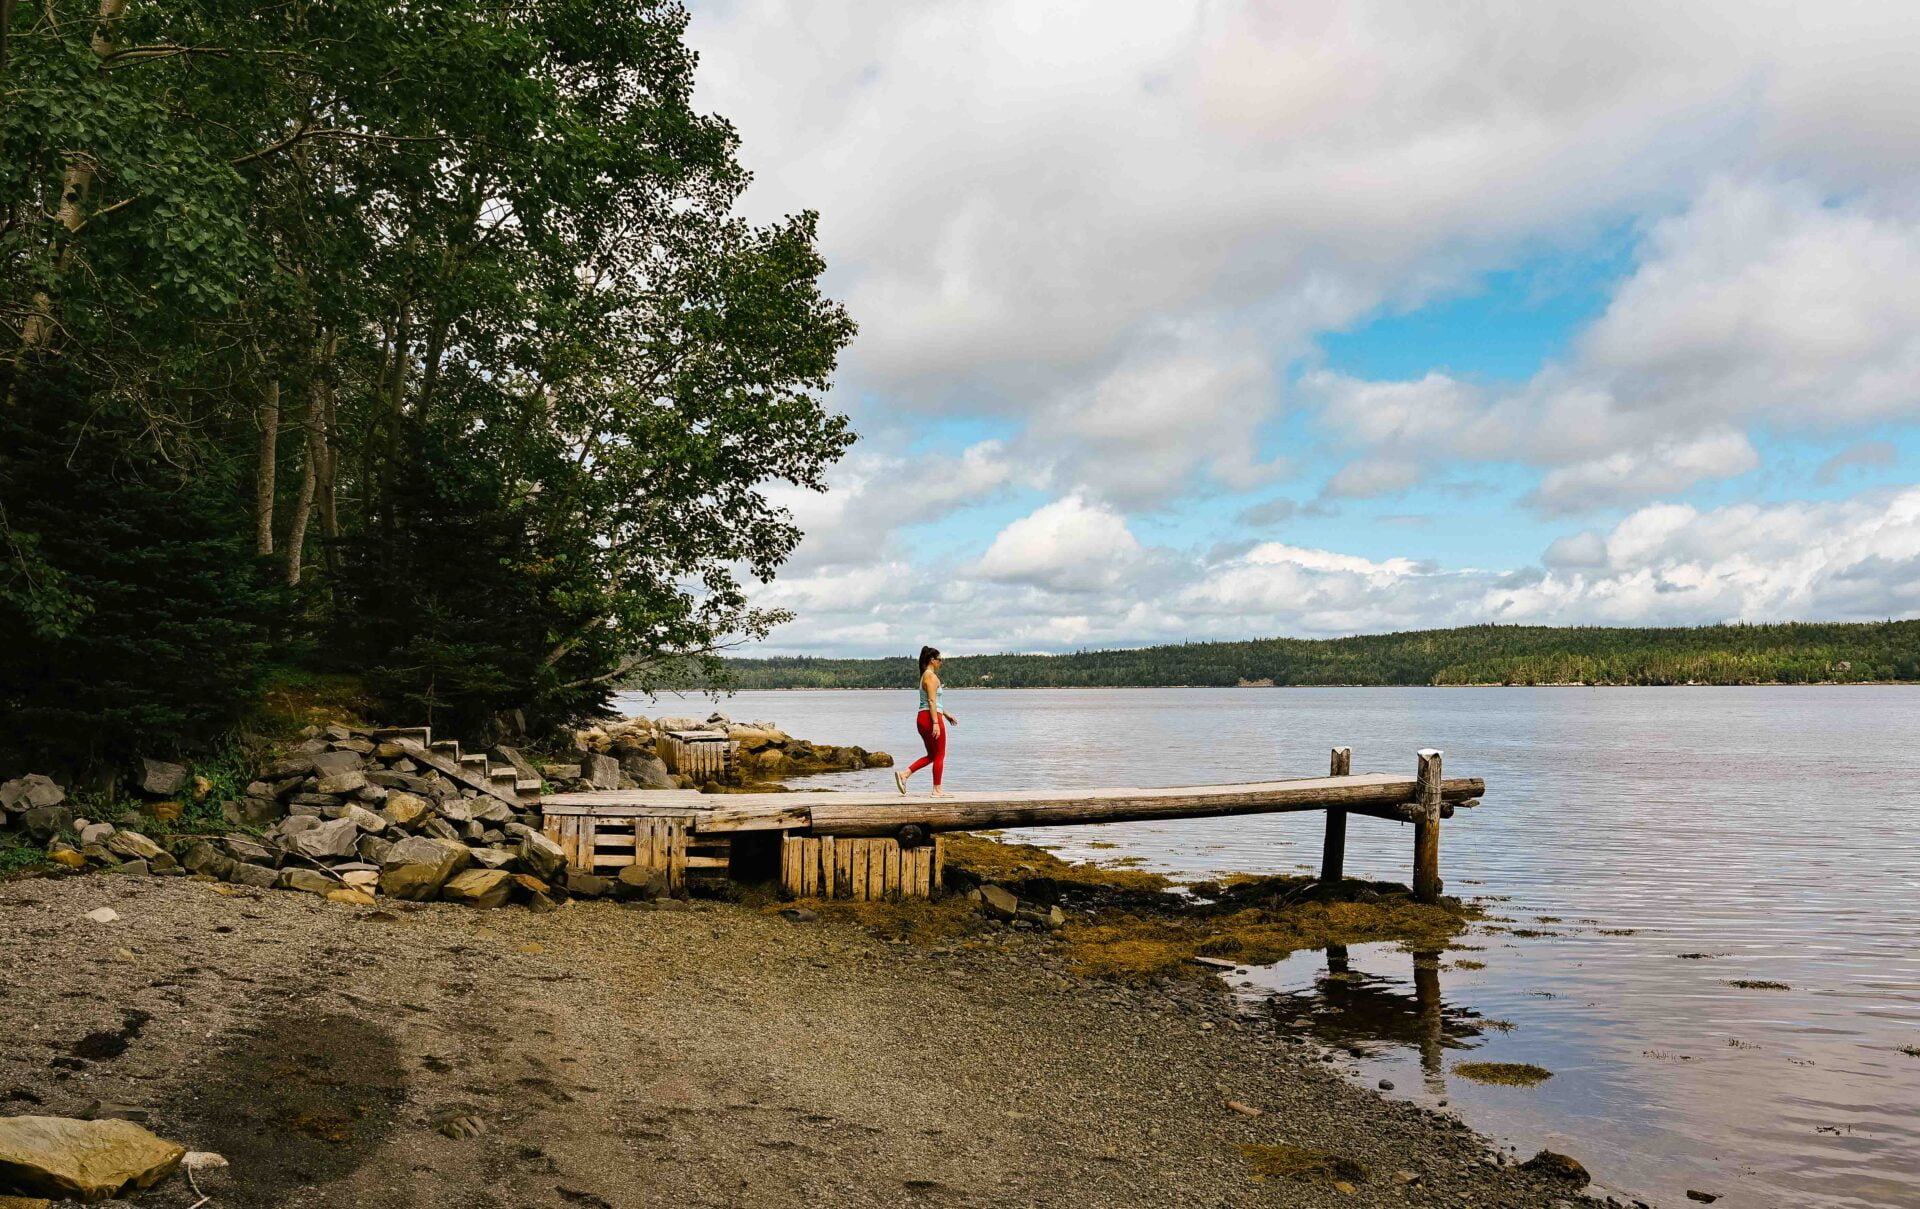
924 703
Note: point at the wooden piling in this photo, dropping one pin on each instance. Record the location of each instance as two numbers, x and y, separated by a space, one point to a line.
1333 853
1426 828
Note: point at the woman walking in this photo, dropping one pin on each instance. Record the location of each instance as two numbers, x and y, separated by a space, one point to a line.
932 723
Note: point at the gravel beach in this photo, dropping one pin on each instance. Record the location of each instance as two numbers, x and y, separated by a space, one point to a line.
716 1055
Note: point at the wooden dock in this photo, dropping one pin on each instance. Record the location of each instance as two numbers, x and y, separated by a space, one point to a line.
873 845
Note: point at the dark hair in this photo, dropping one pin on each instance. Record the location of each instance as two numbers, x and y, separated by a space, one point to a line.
927 655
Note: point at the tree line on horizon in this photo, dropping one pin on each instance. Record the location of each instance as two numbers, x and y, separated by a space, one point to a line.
415 343
1787 653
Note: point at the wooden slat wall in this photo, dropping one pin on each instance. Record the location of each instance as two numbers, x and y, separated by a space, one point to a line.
860 869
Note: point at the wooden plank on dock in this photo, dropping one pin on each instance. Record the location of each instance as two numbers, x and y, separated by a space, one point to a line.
865 814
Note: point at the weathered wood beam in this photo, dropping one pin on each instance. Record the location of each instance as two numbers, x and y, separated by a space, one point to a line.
1333 852
1426 829
883 815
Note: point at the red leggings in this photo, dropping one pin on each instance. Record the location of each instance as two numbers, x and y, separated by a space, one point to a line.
936 746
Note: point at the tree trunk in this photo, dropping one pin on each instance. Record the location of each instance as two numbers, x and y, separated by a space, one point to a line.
263 482
74 183
303 505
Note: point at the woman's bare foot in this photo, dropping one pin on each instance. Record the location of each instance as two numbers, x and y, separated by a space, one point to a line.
900 782
939 793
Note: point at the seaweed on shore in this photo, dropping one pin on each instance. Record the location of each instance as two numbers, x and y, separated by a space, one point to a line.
1279 1160
1506 1074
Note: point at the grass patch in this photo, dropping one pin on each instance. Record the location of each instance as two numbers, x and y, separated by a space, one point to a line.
1506 1074
1757 984
296 698
992 860
1468 964
20 856
1277 1160
1911 1051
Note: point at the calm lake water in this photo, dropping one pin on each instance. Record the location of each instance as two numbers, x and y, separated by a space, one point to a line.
1772 834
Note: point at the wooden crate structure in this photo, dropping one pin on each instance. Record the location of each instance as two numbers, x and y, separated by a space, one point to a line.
700 754
860 869
596 844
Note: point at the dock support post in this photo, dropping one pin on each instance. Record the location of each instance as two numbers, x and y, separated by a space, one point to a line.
1333 854
1426 829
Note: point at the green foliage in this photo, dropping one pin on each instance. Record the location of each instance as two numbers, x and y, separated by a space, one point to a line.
529 374
175 636
1794 653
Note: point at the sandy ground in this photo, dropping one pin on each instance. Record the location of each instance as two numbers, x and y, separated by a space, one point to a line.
604 1055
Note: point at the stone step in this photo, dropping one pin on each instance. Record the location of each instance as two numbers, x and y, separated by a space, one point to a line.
423 735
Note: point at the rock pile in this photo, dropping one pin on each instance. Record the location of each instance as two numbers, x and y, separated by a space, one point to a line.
766 752
353 814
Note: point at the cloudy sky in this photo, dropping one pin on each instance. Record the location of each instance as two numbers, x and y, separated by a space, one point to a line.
1193 319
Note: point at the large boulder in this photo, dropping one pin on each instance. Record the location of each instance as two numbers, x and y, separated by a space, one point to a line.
647 770
45 822
82 1160
160 779
334 839
494 858
541 855
30 792
337 783
602 771
360 816
479 888
258 876
202 857
416 868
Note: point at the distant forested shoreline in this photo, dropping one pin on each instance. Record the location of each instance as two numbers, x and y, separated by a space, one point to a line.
1791 653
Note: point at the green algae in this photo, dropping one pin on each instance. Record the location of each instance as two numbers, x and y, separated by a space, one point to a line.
1506 1074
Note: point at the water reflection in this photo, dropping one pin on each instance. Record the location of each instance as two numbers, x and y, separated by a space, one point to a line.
1328 996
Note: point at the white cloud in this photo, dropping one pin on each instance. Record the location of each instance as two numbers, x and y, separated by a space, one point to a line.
1759 304
1069 545
1638 474
1864 455
1371 477
1665 564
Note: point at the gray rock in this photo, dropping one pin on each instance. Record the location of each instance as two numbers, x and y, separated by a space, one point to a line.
290 766
333 763
647 770
637 881
130 869
490 810
374 849
319 801
800 915
341 782
331 840
999 901
440 829
494 858
416 868
240 848
312 881
95 833
37 790
261 789
398 780
257 876
588 885
544 858
308 811
560 772
45 822
603 771
252 811
456 811
202 857
132 845
160 779
373 794
474 832
364 819
292 825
